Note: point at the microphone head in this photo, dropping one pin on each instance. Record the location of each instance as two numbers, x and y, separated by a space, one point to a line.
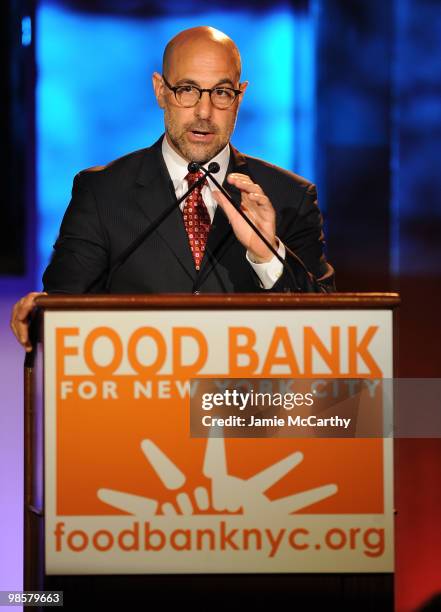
193 167
213 167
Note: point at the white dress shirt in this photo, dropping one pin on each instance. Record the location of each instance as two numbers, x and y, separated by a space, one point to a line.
177 167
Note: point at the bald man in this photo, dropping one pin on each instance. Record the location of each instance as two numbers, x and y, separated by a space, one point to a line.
204 245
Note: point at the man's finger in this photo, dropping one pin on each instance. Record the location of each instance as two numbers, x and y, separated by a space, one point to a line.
20 331
24 308
256 209
260 199
226 206
244 184
237 176
15 322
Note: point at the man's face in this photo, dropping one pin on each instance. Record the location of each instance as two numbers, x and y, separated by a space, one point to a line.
200 132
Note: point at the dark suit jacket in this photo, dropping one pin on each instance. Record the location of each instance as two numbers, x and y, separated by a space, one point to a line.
112 205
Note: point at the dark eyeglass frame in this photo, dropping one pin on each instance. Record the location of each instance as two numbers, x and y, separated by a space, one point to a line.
236 92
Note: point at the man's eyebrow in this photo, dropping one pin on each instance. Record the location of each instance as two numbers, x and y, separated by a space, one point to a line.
196 84
186 82
225 82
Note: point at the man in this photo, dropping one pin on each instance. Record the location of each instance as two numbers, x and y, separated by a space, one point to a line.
205 246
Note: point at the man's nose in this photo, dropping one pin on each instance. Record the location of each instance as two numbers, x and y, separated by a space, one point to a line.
204 107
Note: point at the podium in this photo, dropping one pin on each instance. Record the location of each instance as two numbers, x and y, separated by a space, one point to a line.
120 499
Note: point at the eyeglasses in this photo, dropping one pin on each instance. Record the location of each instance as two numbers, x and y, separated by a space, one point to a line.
189 95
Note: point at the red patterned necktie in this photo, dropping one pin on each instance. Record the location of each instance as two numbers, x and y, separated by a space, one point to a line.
196 218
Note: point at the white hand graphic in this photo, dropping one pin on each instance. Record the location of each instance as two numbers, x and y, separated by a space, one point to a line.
228 493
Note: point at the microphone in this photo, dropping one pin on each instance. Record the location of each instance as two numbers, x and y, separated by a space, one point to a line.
193 167
133 246
214 167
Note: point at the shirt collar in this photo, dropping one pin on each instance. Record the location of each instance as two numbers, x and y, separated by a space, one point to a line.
177 166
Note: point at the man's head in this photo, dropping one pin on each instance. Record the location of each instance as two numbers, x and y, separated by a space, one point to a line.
205 58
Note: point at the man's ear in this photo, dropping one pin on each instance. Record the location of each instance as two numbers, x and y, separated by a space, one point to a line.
158 88
242 87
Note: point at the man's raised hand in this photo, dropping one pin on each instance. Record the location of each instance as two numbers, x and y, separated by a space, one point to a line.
258 208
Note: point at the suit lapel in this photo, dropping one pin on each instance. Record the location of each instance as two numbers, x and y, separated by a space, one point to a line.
154 194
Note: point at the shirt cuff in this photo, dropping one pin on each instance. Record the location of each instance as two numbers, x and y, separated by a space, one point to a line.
270 271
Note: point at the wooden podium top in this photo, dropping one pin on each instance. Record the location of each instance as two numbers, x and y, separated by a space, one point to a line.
246 301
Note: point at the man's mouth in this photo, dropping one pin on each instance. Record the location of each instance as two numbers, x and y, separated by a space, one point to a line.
200 135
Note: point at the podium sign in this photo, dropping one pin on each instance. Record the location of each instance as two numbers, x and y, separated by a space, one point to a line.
128 491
